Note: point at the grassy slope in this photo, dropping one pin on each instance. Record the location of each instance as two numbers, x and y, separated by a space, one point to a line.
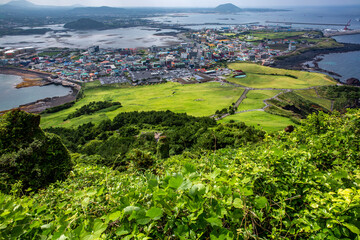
256 80
254 99
312 96
198 100
264 120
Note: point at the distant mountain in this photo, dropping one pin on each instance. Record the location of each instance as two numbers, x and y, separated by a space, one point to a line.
231 8
20 4
227 8
85 24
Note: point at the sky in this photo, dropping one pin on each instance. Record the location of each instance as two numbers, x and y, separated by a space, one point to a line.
193 3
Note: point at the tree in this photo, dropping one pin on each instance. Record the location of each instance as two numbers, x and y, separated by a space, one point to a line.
29 157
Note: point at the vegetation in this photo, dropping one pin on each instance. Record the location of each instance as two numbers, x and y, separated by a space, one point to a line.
266 77
260 120
290 104
255 99
299 185
85 24
59 108
194 99
29 158
161 134
313 96
92 107
343 96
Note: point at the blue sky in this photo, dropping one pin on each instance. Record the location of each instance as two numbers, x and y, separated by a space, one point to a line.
195 3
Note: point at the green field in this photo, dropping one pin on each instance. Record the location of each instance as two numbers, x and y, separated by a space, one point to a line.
254 99
260 119
313 97
260 77
195 99
275 35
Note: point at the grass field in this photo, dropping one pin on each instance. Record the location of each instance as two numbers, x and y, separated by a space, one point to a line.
276 35
254 99
260 77
312 96
260 120
194 99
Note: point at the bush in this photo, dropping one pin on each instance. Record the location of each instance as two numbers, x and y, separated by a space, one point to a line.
29 157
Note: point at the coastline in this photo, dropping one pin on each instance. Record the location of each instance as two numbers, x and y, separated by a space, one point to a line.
30 78
42 79
297 62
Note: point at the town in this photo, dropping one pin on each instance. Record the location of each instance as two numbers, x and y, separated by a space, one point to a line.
202 56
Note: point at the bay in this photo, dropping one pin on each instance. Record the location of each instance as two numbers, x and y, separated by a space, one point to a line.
11 97
346 64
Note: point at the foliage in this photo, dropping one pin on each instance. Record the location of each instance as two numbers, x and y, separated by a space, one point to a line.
194 99
302 185
343 96
59 108
91 108
28 157
291 104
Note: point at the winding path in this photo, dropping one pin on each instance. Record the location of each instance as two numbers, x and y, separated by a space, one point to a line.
247 89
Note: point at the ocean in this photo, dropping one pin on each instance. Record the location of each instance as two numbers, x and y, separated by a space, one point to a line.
345 64
323 15
145 37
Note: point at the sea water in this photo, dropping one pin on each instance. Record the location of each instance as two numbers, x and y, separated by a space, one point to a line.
11 97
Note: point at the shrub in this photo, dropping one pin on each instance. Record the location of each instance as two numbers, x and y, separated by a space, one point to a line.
29 157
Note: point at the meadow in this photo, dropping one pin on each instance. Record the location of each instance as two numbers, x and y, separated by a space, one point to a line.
260 120
195 99
313 97
267 77
255 99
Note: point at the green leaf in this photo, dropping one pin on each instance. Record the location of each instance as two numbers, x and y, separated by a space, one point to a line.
46 226
143 221
85 202
261 202
130 209
197 189
154 213
352 228
238 203
122 231
114 215
99 227
175 182
214 221
189 168
246 191
340 174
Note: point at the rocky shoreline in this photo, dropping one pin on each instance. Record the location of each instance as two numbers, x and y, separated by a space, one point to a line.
41 104
30 78
296 62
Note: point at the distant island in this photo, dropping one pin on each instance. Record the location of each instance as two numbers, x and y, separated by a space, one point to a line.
85 24
227 8
231 8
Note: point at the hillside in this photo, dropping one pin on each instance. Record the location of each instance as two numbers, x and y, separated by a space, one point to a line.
20 4
299 185
84 24
227 8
